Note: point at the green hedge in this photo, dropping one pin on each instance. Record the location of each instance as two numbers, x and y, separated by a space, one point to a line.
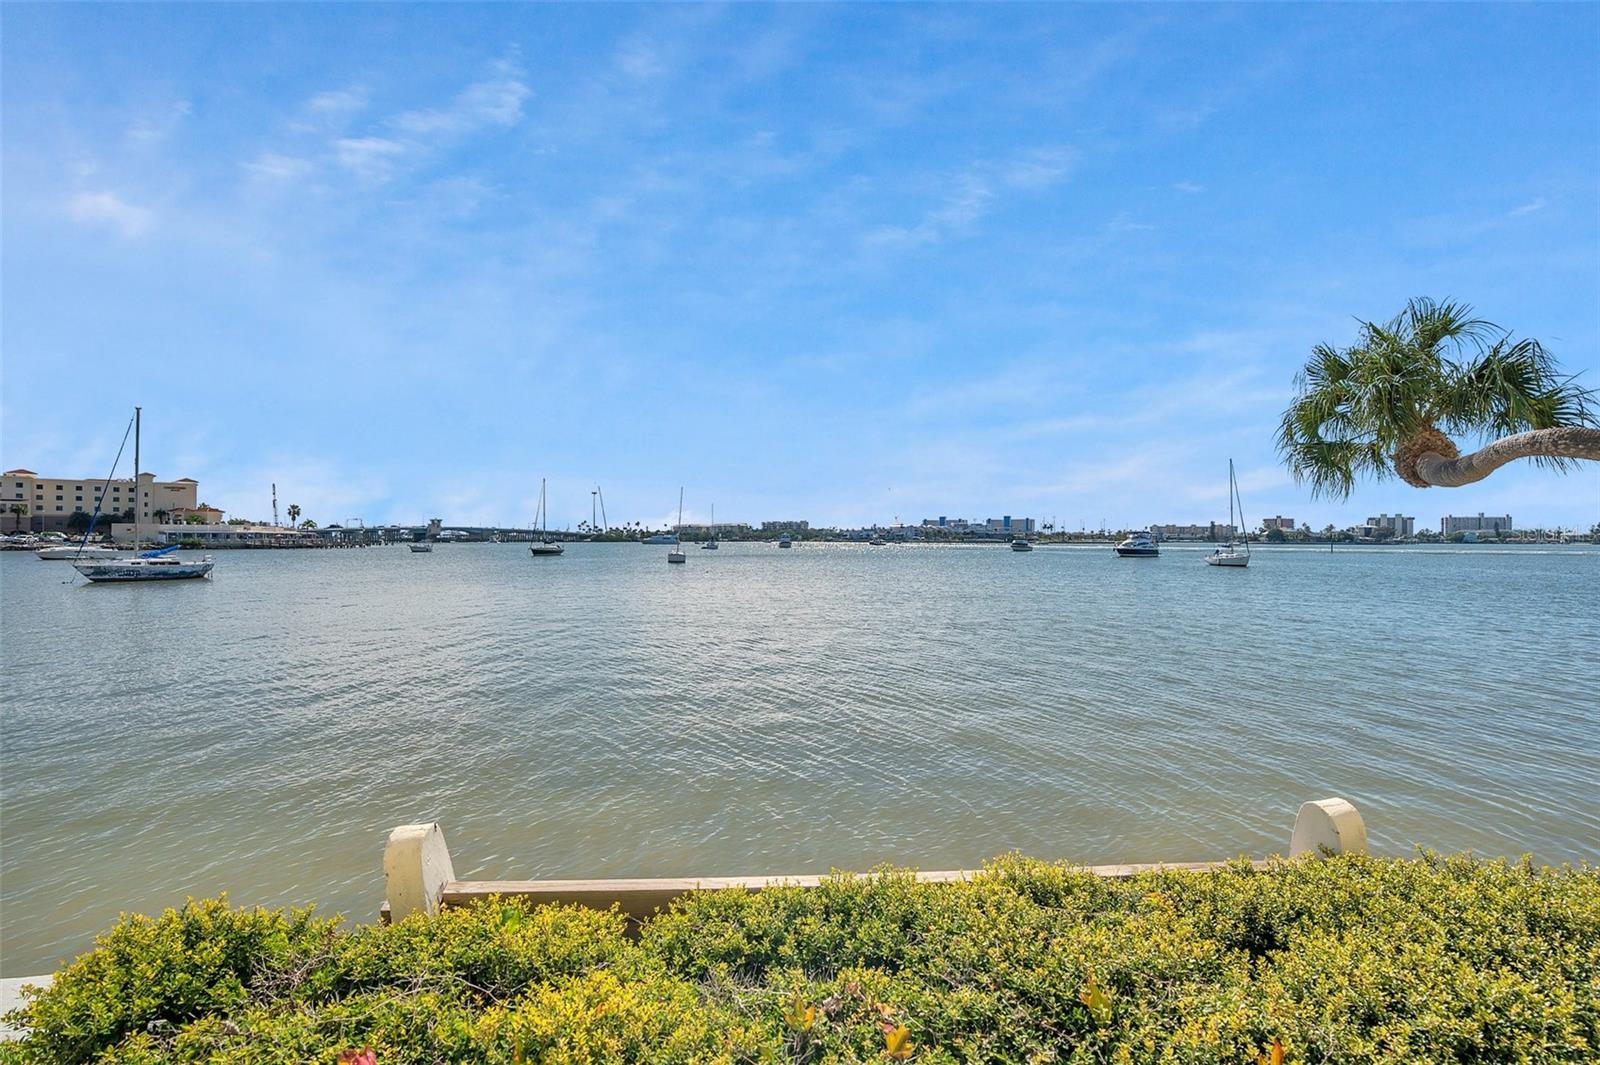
1348 960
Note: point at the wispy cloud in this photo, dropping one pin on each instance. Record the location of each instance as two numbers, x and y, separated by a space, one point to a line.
370 158
338 102
1535 204
641 59
375 156
1124 223
493 101
107 208
971 194
157 127
1189 187
272 166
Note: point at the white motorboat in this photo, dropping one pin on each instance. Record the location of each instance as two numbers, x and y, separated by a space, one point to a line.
76 553
421 547
546 545
1139 545
1228 555
151 566
661 538
785 541
158 565
1020 544
878 541
676 557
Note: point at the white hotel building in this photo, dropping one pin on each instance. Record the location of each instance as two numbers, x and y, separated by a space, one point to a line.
46 504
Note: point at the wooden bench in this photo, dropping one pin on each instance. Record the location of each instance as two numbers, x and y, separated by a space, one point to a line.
420 877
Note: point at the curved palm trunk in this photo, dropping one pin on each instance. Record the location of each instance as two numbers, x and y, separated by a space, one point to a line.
1571 442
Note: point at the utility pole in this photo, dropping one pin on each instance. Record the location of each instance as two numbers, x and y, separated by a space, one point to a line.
274 502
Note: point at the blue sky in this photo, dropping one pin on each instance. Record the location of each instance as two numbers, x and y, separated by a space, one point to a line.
840 263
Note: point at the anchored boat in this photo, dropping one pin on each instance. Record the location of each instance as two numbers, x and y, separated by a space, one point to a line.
1228 555
711 544
547 544
1139 545
676 556
158 565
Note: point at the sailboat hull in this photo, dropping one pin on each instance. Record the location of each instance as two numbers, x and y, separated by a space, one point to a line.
545 549
1229 561
130 570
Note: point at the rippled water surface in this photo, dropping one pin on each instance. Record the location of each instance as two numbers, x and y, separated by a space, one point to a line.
771 711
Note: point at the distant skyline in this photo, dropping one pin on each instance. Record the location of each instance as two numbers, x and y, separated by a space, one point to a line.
838 263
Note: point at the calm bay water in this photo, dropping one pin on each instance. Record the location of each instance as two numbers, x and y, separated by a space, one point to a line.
771 711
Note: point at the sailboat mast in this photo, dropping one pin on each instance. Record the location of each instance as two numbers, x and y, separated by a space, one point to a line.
137 501
1231 528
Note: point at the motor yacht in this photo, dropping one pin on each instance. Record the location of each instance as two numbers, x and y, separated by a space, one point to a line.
1139 545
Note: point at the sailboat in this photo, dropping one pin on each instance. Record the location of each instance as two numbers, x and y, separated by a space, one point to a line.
1229 555
158 565
546 544
711 544
676 555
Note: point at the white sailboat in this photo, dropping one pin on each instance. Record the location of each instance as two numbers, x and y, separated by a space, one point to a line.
676 556
546 544
158 565
1228 555
711 544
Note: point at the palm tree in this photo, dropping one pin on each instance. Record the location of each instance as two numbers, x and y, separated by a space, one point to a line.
1386 404
18 511
294 513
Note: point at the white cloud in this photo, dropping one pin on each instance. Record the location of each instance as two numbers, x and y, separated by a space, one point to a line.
1189 187
270 166
155 128
641 60
972 194
1535 204
337 102
1123 223
495 101
110 209
371 158
1039 169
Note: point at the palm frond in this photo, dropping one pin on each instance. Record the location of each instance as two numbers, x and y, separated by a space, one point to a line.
1511 387
1434 365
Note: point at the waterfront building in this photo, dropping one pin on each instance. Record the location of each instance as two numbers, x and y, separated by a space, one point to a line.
1278 522
1398 524
785 526
216 534
1498 524
1010 526
1211 530
208 515
51 501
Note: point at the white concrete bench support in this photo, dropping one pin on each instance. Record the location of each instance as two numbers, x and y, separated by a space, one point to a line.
1328 827
416 868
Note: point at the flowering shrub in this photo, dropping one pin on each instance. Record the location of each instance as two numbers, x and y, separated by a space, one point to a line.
1346 960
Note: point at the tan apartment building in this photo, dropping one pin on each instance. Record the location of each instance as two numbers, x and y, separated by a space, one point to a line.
46 504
